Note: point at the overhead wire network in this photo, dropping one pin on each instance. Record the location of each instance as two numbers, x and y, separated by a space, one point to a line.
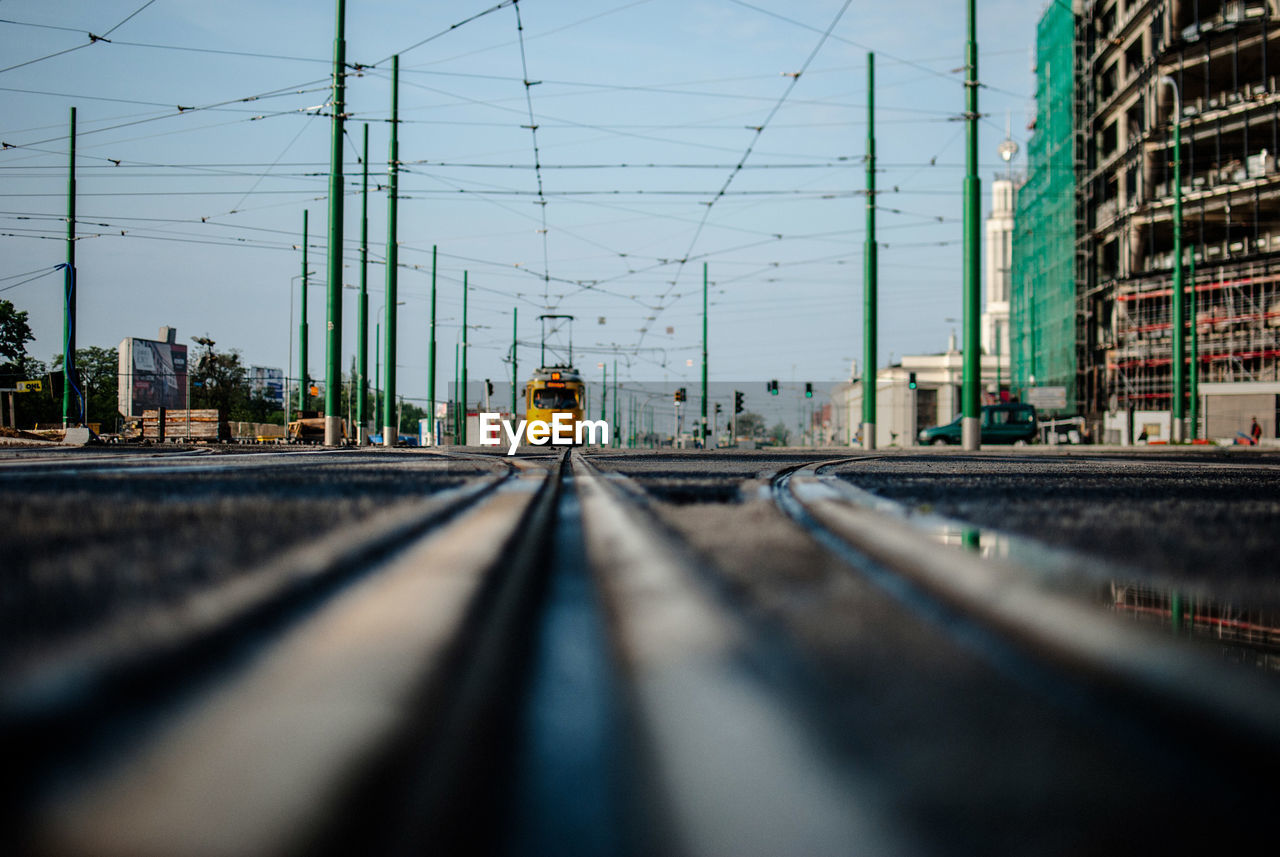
629 271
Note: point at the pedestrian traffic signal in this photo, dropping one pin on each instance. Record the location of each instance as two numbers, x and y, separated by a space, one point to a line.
911 381
808 390
737 402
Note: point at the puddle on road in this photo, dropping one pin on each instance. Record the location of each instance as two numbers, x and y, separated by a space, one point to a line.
1244 635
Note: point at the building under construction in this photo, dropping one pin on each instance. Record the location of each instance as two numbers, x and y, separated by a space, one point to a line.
1105 139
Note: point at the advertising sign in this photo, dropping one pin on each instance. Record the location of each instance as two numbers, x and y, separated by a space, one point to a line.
268 383
152 374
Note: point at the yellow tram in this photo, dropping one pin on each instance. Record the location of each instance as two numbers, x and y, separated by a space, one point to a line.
555 390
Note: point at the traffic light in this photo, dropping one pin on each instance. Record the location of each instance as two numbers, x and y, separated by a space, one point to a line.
717 407
681 395
911 381
773 388
488 385
808 390
737 402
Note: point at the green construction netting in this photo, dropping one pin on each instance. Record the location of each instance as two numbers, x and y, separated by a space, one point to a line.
1043 289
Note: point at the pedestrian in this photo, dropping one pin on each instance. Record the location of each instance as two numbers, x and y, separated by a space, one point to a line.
1255 431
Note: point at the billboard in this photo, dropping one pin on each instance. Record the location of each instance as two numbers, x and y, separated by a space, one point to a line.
152 374
268 383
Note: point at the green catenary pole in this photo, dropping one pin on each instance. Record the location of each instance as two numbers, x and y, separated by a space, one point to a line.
333 303
1195 352
870 274
616 427
431 353
69 285
362 323
515 366
390 432
604 393
1179 314
457 379
971 401
704 353
303 381
462 390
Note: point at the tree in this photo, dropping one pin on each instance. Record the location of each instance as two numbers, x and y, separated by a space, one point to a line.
780 435
98 370
15 333
748 425
218 380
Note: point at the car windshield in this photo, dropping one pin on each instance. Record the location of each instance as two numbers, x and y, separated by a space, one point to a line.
554 398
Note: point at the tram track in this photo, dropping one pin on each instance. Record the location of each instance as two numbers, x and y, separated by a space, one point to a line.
1029 627
96 724
1202 736
560 657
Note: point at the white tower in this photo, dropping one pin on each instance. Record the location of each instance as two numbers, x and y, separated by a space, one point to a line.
995 316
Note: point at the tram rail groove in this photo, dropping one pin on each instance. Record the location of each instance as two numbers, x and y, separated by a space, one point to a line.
1079 640
55 706
308 715
732 763
442 781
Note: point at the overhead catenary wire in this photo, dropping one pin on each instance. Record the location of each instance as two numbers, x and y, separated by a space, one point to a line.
93 39
533 131
759 129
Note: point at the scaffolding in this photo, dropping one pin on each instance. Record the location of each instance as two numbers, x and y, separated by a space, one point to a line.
1221 56
1043 311
1237 315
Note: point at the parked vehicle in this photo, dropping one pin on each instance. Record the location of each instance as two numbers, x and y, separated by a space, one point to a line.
1013 423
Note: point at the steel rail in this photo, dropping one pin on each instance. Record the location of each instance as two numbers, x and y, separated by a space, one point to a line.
149 714
734 763
1046 637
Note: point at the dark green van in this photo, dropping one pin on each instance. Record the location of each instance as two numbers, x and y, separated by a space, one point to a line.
1000 424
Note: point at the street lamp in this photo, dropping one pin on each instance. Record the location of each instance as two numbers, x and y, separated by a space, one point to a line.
1179 429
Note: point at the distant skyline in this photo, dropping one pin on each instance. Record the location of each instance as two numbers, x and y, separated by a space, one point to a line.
200 141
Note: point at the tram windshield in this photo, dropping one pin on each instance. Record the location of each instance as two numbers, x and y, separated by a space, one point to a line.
555 398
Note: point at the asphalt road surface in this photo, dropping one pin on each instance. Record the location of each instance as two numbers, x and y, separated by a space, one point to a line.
1033 651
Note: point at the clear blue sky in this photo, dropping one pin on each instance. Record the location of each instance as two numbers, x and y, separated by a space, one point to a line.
210 200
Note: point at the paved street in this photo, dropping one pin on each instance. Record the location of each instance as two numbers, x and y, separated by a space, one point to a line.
776 651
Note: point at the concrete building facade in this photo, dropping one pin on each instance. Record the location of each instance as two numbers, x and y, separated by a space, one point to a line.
1139 67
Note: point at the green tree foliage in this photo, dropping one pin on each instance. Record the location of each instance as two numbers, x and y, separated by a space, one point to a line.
218 380
15 333
779 435
98 370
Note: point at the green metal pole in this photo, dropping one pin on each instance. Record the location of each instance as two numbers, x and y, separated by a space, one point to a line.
616 427
704 353
1179 319
431 353
69 285
377 366
515 370
604 392
362 323
870 274
1195 353
303 381
462 394
390 433
971 413
333 304
457 377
